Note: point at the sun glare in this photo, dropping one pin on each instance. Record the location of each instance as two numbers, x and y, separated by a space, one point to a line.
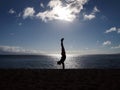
63 13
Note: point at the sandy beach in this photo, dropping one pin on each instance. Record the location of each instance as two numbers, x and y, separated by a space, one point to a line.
54 79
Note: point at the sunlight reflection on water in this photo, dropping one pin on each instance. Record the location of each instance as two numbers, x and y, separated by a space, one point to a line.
70 62
50 62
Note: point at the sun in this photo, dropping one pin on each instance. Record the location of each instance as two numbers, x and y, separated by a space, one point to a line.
63 13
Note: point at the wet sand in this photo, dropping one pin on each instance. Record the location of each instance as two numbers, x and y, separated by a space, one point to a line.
54 79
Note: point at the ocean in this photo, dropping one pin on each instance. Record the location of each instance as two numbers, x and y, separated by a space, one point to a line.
111 61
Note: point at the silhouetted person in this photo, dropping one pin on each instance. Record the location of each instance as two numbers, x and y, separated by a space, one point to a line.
63 55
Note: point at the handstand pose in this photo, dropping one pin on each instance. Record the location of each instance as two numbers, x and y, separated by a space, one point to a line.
63 55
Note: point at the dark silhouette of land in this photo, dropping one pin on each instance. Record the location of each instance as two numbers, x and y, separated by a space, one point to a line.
63 54
57 79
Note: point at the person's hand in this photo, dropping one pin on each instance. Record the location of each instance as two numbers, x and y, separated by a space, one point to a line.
62 39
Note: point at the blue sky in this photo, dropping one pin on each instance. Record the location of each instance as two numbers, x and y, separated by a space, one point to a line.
36 26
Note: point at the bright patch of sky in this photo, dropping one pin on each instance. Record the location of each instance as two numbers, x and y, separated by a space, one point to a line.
36 26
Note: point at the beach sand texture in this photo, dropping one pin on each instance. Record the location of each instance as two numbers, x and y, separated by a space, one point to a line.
58 79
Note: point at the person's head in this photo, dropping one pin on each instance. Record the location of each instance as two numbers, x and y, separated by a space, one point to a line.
59 63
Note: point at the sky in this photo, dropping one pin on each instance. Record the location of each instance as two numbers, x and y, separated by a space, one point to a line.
36 26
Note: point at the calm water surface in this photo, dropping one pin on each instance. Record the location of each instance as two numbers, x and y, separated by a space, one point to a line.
50 62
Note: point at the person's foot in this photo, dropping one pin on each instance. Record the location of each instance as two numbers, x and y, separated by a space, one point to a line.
62 39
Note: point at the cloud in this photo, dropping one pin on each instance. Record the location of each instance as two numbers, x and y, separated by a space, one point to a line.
89 17
19 15
112 29
42 5
62 10
19 24
12 11
16 50
116 47
28 12
119 30
95 10
92 15
12 34
106 43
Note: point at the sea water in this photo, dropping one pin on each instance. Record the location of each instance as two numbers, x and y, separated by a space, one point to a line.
50 62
